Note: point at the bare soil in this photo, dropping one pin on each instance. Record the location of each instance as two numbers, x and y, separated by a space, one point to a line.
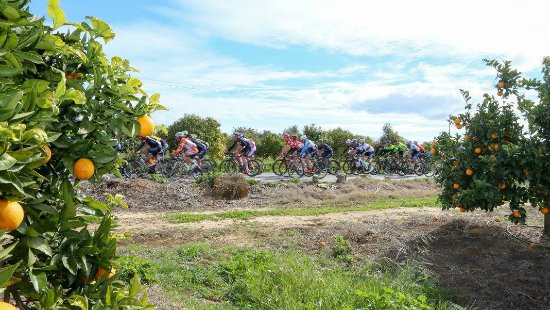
489 262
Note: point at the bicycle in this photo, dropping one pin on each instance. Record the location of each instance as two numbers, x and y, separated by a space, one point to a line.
317 169
137 165
231 164
179 167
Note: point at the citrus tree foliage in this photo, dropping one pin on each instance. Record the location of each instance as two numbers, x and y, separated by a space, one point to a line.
497 160
59 92
206 128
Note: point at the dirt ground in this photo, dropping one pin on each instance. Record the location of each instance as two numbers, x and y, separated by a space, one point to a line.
489 262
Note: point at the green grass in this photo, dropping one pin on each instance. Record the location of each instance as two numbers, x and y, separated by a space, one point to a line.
379 203
241 278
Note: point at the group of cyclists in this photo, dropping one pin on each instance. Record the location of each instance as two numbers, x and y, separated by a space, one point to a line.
194 149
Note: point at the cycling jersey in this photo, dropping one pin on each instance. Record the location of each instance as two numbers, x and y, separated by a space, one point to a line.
187 146
154 145
309 148
202 146
326 151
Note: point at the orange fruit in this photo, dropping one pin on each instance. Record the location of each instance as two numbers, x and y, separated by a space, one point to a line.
469 171
101 272
11 215
151 161
457 121
545 210
500 92
48 153
477 150
462 209
322 244
147 126
434 143
495 146
6 306
516 213
458 126
494 136
456 186
83 168
433 151
500 84
502 185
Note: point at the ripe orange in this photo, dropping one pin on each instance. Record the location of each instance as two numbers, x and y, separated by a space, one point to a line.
433 151
516 214
459 126
147 126
500 93
434 143
11 215
83 168
495 146
462 209
456 186
322 244
457 121
469 171
545 210
101 272
494 136
48 153
502 186
500 84
151 161
477 150
6 306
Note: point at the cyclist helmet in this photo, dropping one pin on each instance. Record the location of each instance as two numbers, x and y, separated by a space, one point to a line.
180 134
303 137
348 141
415 142
285 136
361 141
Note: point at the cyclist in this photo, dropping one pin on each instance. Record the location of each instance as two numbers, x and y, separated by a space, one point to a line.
309 149
325 151
288 144
402 149
295 146
366 151
189 148
414 152
247 149
202 146
150 148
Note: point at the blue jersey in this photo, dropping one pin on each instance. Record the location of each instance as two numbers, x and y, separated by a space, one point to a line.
307 145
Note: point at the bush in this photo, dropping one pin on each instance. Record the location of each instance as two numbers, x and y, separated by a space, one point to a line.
208 178
231 186
130 266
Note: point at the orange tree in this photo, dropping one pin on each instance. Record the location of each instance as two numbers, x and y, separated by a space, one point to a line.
500 157
61 102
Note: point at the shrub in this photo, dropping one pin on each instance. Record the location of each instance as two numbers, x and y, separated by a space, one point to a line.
130 266
208 178
231 186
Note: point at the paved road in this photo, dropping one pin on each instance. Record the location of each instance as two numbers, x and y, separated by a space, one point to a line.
332 178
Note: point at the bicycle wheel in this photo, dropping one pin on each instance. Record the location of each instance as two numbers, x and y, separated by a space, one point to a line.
279 166
254 168
334 167
208 165
295 168
174 168
229 166
320 170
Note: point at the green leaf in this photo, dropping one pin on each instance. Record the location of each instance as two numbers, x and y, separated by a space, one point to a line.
70 264
7 161
6 273
29 56
8 71
38 280
6 252
76 96
68 196
56 13
79 301
154 99
86 127
31 259
101 28
39 244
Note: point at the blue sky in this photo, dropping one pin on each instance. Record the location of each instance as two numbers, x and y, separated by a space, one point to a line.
352 64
